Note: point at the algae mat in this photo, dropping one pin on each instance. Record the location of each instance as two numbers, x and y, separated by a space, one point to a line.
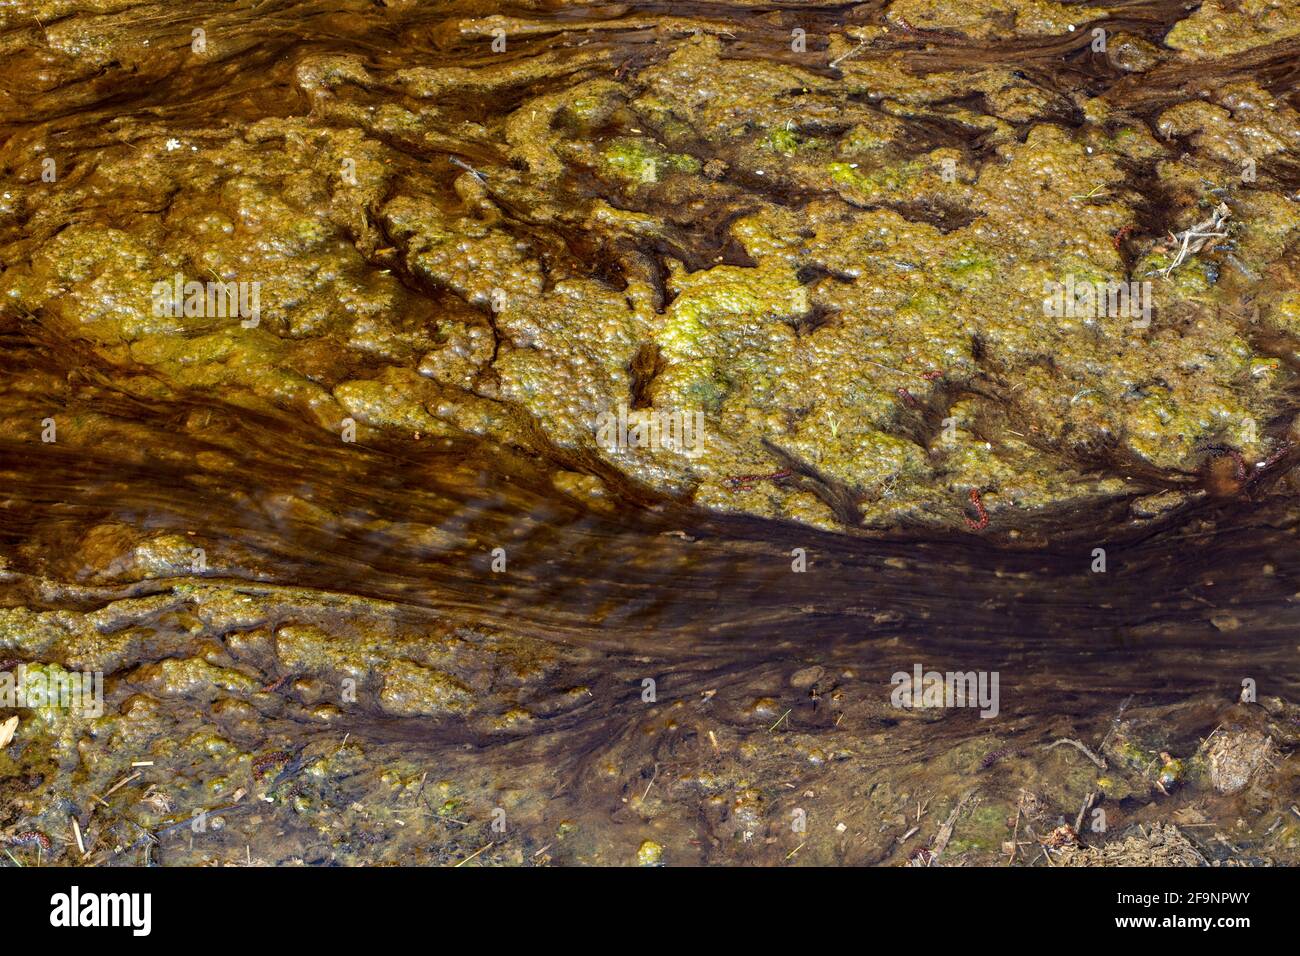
649 433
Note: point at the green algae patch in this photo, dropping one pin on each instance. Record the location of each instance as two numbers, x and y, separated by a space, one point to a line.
409 689
1219 29
174 677
642 161
828 264
988 19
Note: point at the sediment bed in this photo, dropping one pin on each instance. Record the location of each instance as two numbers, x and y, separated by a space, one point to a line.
372 556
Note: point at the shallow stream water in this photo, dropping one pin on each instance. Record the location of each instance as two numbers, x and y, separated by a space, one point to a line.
768 734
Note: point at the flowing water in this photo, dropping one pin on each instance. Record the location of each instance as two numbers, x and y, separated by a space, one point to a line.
352 646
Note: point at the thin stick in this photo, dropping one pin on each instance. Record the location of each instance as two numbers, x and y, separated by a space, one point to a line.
1015 831
121 783
1206 742
653 777
1114 722
1087 802
945 832
468 168
472 855
840 59
1046 854
1082 748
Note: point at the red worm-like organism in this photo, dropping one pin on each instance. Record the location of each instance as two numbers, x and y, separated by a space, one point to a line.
1241 465
906 396
1120 236
266 761
992 758
1277 456
1261 470
276 685
932 376
31 836
979 509
745 482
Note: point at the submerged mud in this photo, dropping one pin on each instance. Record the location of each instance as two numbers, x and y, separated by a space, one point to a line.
381 563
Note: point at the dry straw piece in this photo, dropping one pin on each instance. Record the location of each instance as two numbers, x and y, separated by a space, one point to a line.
7 730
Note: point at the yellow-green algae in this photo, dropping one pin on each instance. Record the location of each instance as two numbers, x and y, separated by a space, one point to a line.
908 297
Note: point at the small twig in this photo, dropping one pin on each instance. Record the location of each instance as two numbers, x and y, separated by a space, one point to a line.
1015 831
122 783
472 855
1206 742
1087 802
944 834
1034 836
1114 722
1194 239
468 168
653 777
76 832
1095 191
840 59
1082 748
